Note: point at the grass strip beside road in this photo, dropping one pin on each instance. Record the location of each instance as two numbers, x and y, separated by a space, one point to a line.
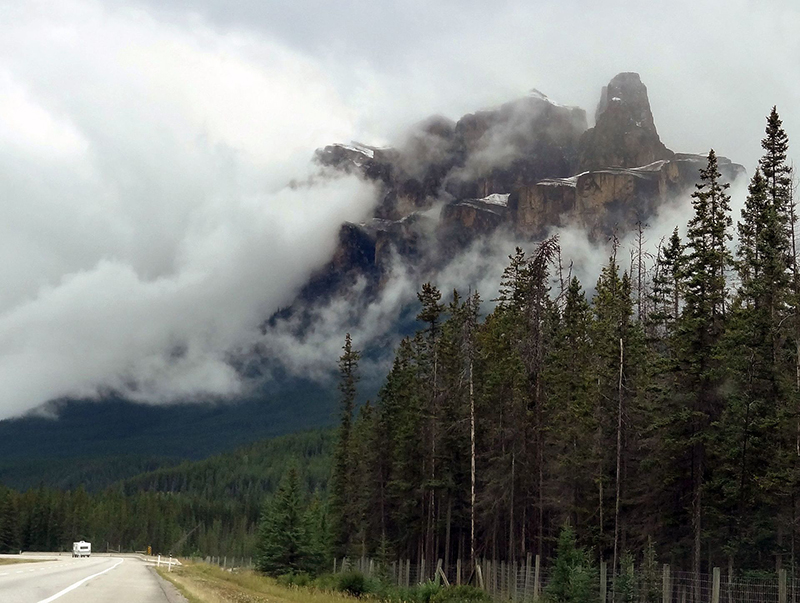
7 561
202 583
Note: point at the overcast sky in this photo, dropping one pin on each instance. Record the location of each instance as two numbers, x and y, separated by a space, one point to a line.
145 149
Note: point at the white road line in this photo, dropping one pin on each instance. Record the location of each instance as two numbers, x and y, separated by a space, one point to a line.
78 583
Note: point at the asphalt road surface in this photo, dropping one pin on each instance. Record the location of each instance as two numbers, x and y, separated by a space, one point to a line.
97 579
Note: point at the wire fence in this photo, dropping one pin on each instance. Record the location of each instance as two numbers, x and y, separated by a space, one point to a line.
528 581
226 562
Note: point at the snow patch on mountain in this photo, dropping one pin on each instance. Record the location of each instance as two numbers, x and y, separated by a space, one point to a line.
497 199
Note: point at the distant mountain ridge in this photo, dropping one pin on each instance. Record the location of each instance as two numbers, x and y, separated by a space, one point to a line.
96 443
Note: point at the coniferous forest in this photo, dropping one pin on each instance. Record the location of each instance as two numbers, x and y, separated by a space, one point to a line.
206 508
658 404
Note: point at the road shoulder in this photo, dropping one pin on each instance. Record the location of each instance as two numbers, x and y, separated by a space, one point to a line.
169 589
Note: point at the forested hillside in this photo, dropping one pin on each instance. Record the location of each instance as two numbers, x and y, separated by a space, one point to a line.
662 406
210 507
656 405
95 443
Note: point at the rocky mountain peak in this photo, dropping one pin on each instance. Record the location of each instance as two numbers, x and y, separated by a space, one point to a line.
624 134
524 167
627 92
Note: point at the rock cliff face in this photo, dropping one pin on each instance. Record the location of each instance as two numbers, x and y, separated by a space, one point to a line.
463 221
526 167
608 200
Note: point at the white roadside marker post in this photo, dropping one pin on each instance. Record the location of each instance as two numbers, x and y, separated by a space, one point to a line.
158 563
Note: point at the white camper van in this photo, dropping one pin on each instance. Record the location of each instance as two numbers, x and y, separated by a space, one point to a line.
81 549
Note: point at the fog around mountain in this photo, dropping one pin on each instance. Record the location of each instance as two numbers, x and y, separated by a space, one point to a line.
155 176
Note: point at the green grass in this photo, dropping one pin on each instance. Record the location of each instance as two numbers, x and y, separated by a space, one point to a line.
201 583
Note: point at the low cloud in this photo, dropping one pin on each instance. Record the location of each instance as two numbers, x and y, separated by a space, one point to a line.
150 223
147 151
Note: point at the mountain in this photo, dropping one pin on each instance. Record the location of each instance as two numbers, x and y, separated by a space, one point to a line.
96 443
523 168
518 171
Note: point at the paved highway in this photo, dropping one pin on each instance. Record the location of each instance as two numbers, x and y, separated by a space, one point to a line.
97 579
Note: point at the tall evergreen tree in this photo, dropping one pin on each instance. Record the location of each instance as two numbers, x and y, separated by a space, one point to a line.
430 314
401 419
617 342
343 486
570 389
701 327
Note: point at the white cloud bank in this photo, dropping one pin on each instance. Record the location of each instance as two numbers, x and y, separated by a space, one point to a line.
145 148
147 226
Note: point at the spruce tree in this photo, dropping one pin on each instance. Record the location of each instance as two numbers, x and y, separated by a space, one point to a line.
752 474
343 486
570 390
755 362
284 545
401 419
701 327
777 172
315 520
573 575
430 314
666 292
617 343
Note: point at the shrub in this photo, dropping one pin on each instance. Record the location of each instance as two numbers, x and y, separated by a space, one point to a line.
327 582
461 594
294 579
426 591
354 583
396 594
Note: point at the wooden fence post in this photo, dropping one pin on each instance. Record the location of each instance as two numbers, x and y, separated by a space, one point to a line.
603 581
458 572
537 580
515 583
440 573
666 587
527 583
729 598
782 586
715 587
